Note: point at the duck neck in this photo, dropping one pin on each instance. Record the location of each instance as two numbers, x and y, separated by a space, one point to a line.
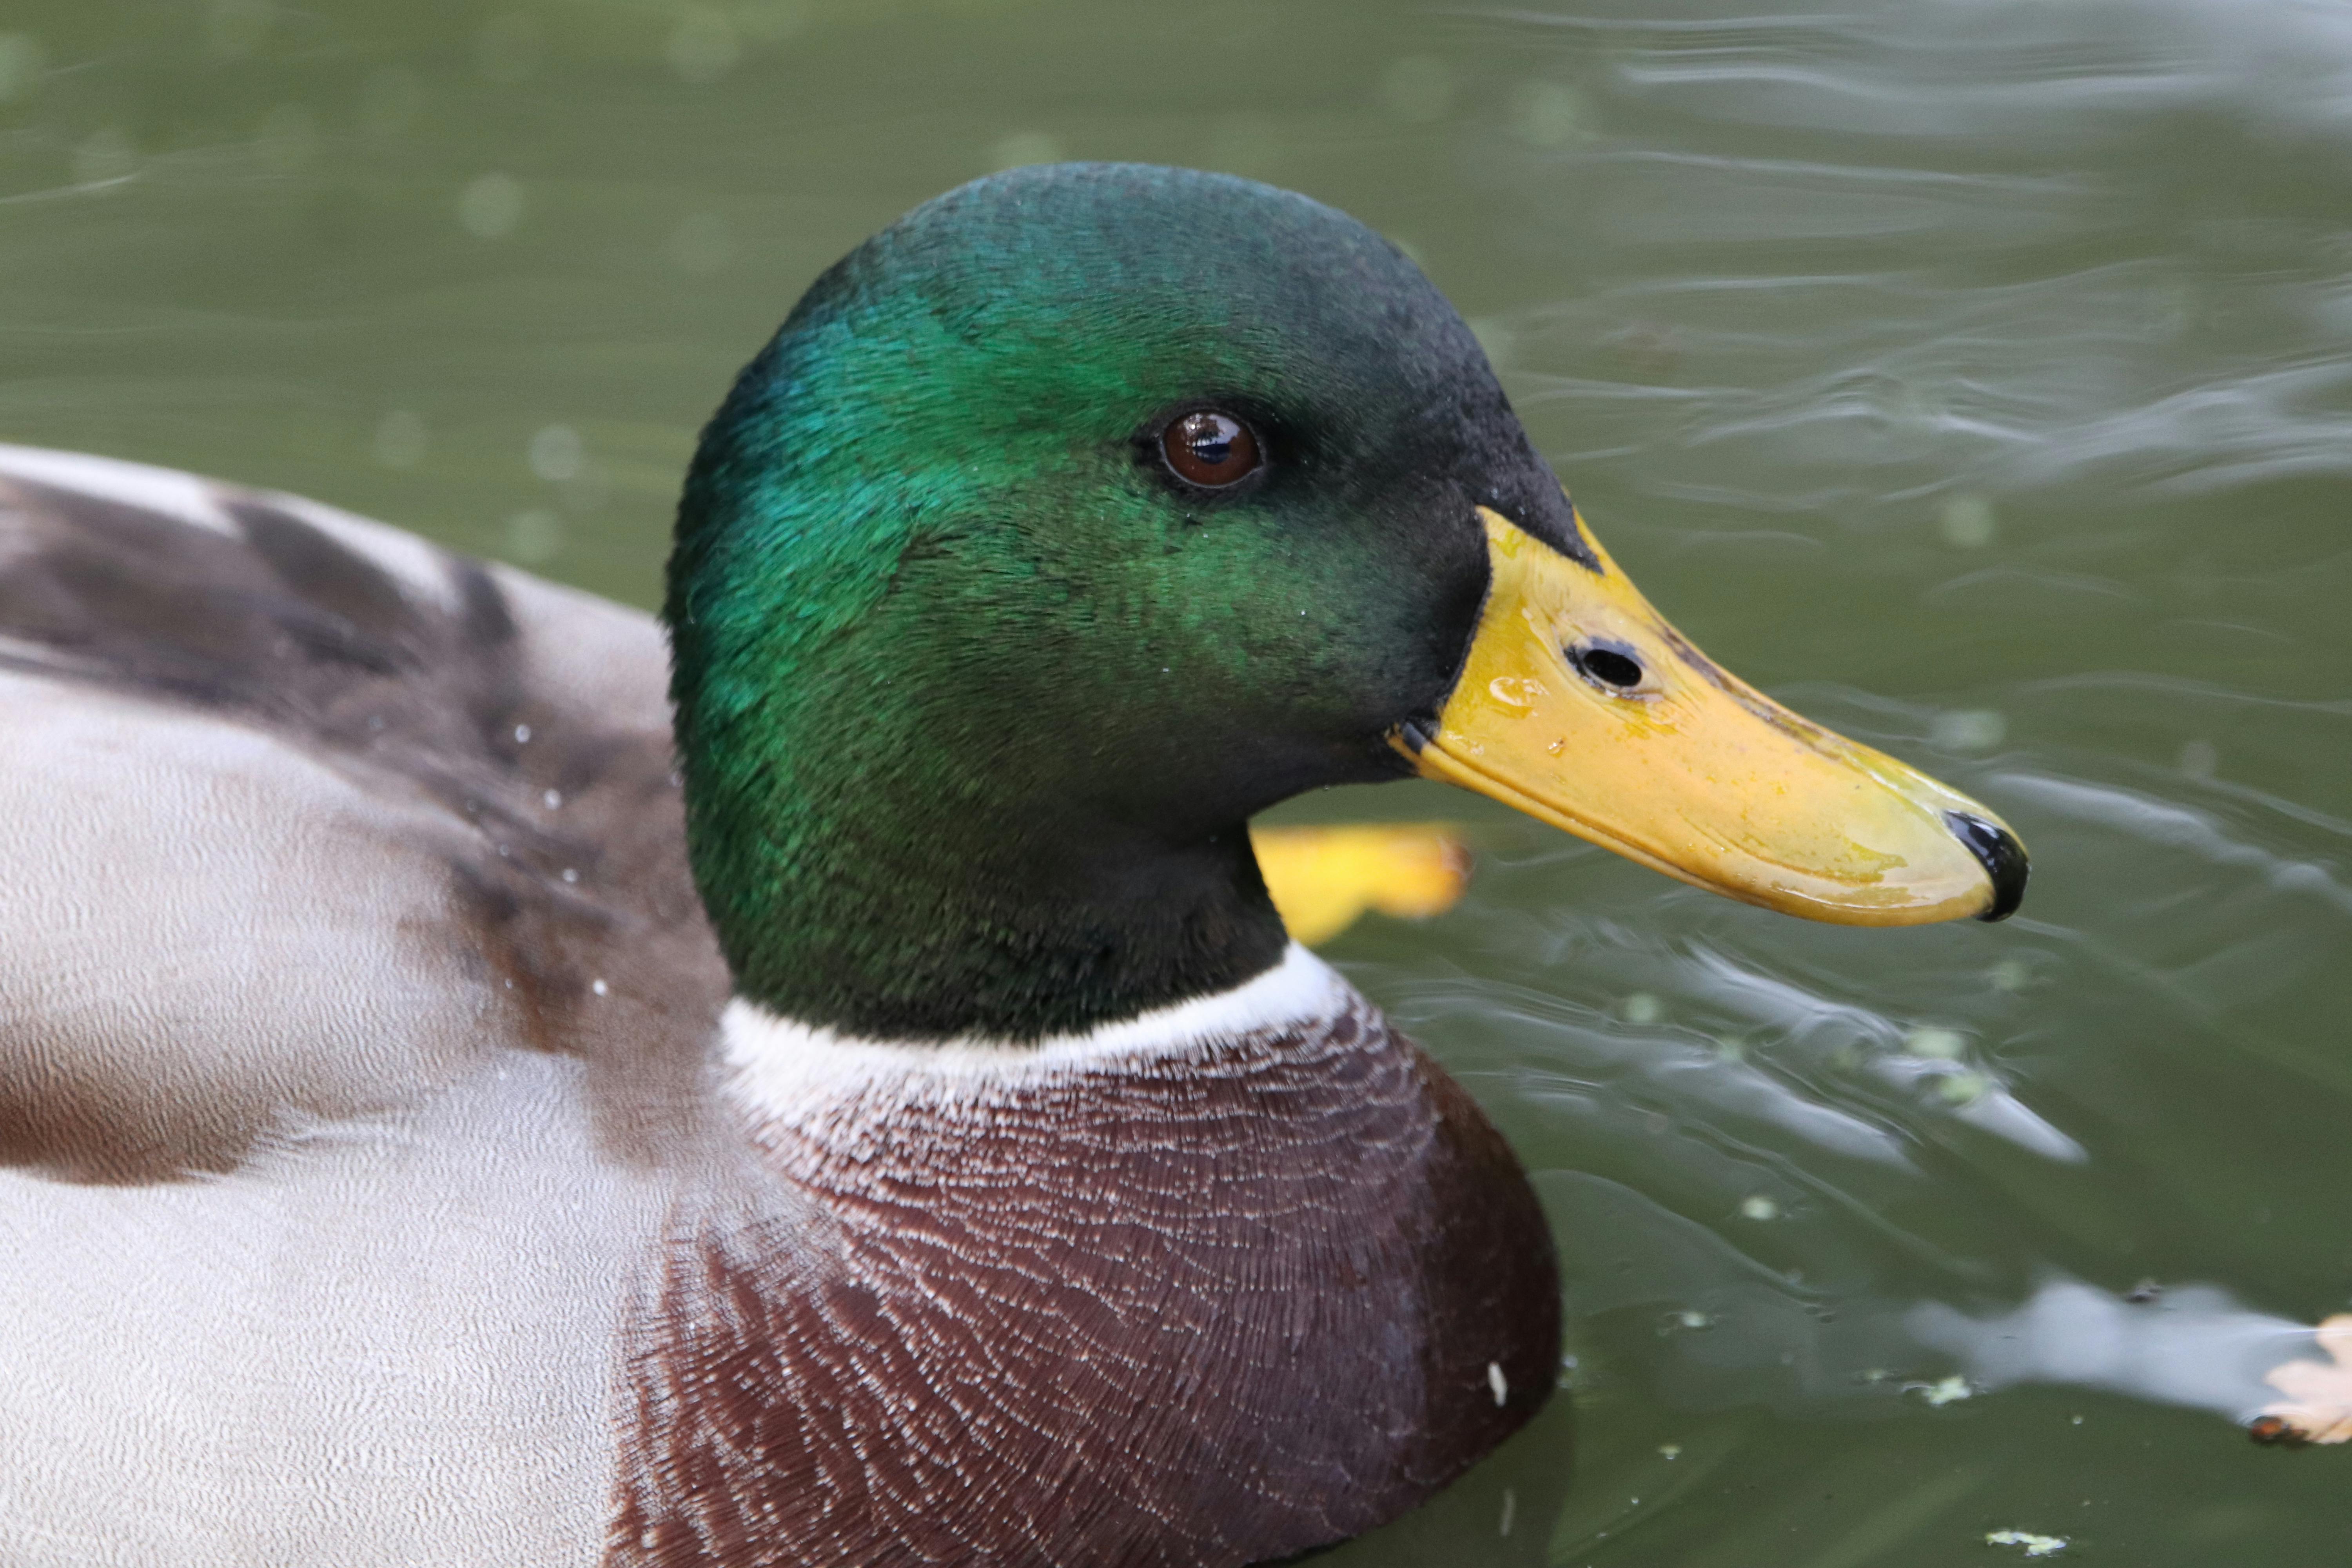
846 908
890 846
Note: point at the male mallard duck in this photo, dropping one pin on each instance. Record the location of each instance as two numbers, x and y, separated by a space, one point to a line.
433 1131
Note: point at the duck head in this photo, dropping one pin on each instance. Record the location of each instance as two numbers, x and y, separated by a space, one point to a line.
1091 509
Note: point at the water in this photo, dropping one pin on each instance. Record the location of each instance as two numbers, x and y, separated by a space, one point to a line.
1973 375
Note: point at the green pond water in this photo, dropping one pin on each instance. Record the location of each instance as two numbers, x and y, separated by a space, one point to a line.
1975 376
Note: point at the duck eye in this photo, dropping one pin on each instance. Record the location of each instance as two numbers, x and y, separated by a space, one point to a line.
1210 449
1603 665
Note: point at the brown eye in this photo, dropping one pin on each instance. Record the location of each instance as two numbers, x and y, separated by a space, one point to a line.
1210 449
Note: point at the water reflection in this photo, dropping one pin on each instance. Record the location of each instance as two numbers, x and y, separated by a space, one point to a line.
2193 1345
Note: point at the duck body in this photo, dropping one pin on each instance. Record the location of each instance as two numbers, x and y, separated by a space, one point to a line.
409 1200
479 1086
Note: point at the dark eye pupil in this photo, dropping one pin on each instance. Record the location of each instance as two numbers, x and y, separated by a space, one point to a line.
1210 449
1607 666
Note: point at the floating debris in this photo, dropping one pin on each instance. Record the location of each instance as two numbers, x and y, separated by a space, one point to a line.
1935 1044
2318 1403
2274 1430
2035 1545
1949 1391
1759 1208
1963 1087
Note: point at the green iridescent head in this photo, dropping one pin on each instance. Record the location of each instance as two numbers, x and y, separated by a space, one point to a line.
1090 510
976 693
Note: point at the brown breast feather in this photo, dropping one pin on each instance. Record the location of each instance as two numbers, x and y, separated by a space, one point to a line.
1212 1308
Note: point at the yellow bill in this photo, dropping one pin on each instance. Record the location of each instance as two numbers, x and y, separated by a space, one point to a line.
1582 707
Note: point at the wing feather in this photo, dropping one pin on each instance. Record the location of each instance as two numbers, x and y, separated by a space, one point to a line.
301 815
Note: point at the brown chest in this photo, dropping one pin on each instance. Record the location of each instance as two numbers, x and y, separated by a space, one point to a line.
1209 1309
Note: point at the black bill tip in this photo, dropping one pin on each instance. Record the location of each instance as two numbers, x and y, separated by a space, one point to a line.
2002 857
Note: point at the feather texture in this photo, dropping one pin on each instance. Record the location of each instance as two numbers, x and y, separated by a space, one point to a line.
374 1187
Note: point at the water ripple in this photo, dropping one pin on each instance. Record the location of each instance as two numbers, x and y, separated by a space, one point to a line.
2175 827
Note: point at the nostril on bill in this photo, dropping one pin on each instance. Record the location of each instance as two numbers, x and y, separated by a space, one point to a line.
2002 857
1605 664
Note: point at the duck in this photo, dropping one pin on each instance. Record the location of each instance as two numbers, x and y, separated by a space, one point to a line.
490 1075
